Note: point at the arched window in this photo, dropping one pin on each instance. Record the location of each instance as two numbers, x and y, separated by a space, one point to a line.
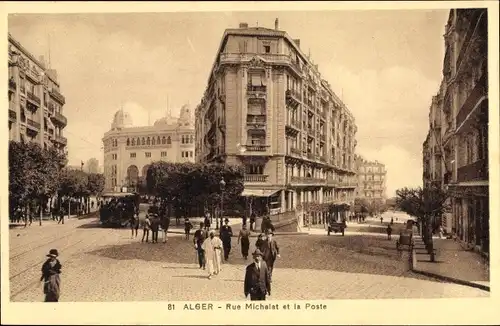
182 139
153 141
128 141
191 139
143 141
133 142
163 140
148 141
158 141
169 140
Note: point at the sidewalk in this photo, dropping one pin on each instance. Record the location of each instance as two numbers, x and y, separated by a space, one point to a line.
452 264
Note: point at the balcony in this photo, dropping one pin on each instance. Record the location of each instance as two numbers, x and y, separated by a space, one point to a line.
255 178
12 115
256 120
33 125
307 180
61 140
477 171
60 119
256 148
346 184
34 99
310 156
295 151
12 85
478 93
293 97
57 96
256 91
331 182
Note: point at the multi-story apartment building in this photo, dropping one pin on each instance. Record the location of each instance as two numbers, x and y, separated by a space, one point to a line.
128 150
267 108
456 150
371 177
35 100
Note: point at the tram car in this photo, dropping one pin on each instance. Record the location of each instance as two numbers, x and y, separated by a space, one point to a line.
118 208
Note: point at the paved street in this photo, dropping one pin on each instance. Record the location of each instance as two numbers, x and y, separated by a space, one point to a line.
106 265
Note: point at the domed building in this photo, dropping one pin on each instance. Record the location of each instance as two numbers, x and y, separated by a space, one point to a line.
129 150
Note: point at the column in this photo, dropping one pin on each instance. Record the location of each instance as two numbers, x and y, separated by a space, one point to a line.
283 201
294 200
290 201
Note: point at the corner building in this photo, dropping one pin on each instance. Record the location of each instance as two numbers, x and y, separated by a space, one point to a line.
35 100
129 150
267 108
371 180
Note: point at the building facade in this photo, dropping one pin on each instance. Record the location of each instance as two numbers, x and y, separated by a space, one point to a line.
35 100
371 177
128 150
456 149
267 108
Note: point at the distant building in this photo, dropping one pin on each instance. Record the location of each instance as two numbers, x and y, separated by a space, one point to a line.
371 180
455 152
92 166
35 100
267 108
129 150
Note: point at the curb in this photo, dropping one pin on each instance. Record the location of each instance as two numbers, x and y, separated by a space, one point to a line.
452 280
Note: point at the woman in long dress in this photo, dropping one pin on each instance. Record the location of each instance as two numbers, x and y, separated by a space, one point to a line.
213 254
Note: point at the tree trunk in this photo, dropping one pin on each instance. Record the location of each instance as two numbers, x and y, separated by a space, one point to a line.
69 207
41 211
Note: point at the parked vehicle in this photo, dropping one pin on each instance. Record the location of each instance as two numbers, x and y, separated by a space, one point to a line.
336 227
118 208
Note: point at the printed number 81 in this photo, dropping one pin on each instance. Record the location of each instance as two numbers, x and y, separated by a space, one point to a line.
171 306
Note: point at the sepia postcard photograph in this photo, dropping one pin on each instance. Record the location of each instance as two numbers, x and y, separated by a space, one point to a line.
170 163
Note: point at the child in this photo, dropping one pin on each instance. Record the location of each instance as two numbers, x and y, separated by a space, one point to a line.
187 227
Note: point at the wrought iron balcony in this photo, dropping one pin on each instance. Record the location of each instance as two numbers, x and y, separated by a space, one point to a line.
472 100
57 96
292 123
34 99
256 120
61 140
256 148
255 178
346 184
295 151
12 115
293 95
33 124
60 119
307 180
473 172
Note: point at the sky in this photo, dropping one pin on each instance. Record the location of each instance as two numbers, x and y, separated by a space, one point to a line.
385 65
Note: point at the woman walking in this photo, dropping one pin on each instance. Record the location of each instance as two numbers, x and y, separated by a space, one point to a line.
50 276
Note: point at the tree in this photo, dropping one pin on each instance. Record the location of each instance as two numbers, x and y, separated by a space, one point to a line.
73 185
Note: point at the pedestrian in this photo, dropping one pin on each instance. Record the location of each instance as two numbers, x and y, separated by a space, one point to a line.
199 237
134 224
51 271
257 280
270 251
260 239
244 237
252 221
187 227
145 228
392 220
155 228
207 221
381 220
165 225
61 216
213 249
389 232
226 232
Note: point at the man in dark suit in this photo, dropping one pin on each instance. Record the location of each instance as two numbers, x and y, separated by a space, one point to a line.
257 281
226 232
270 250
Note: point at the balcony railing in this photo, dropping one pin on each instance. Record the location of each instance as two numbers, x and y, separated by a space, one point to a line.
472 100
293 123
331 182
12 115
61 140
256 148
255 178
307 180
293 95
473 172
61 119
33 98
33 124
58 96
256 89
256 120
295 151
310 156
346 184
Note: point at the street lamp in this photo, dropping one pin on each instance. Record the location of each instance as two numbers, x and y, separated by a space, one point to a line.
222 184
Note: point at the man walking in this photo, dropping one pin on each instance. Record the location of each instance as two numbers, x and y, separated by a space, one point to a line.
145 228
165 224
226 232
244 237
50 276
155 228
187 227
389 232
257 280
212 247
134 224
199 237
270 251
252 221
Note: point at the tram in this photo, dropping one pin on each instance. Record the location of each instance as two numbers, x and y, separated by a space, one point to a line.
118 208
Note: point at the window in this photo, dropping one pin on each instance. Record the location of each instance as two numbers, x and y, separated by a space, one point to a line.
148 154
182 153
132 155
163 154
133 142
254 169
114 156
267 49
163 140
183 140
128 142
148 141
143 141
169 140
153 141
191 154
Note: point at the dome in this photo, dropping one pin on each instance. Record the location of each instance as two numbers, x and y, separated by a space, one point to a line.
165 121
121 120
186 116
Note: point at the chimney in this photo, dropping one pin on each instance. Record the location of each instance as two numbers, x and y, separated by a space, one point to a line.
243 25
297 41
276 24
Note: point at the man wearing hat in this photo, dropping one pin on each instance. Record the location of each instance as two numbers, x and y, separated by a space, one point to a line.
155 228
50 276
226 232
199 237
270 250
257 281
244 237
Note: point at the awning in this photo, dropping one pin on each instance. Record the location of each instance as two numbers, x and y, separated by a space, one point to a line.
258 192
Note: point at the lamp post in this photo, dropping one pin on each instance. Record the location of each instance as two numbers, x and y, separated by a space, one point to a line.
222 184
